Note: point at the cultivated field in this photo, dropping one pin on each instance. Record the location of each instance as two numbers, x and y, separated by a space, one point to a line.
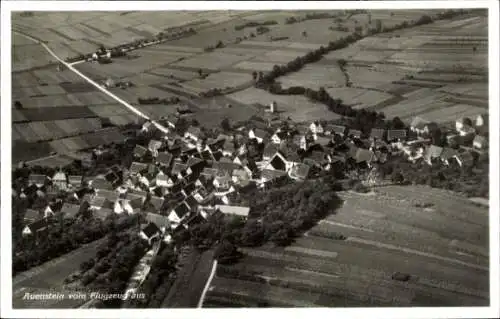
444 248
298 108
49 277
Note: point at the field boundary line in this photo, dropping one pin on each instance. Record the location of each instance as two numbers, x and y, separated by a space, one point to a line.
416 252
207 285
89 80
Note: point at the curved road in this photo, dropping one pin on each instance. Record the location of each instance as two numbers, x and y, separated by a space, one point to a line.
92 82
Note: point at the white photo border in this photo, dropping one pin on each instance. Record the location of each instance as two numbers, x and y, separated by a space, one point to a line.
421 312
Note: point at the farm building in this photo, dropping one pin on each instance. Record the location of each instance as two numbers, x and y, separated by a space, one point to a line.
150 232
464 159
36 227
193 133
179 213
233 210
464 127
419 125
480 142
355 133
396 135
299 172
60 180
316 128
377 133
431 153
31 216
258 134
482 120
70 210
335 130
37 180
447 154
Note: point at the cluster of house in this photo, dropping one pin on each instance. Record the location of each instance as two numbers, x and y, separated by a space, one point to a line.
191 177
466 138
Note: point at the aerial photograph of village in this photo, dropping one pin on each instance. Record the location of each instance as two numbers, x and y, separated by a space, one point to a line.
230 158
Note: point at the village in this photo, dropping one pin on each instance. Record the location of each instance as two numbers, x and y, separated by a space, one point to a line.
180 180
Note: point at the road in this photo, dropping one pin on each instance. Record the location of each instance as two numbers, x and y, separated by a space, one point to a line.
92 82
207 285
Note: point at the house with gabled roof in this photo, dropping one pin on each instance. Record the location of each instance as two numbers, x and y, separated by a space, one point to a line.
241 177
178 168
447 154
480 142
100 182
377 133
160 221
241 211
335 130
163 180
225 165
354 133
431 153
102 213
419 125
150 232
75 181
228 148
36 227
37 179
270 176
178 214
258 134
31 215
193 133
205 180
70 210
464 159
223 180
154 146
278 137
156 203
317 158
195 165
316 127
364 156
188 189
140 151
164 159
299 172
396 135
60 180
269 151
137 168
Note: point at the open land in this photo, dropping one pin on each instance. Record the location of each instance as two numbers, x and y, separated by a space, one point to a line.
444 249
437 71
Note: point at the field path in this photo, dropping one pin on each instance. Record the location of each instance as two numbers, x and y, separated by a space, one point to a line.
90 81
207 285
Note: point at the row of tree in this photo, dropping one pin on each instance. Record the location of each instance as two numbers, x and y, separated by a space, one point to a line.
61 237
157 100
159 280
251 24
473 181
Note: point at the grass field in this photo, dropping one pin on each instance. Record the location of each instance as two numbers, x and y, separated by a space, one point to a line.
444 249
50 277
188 287
299 108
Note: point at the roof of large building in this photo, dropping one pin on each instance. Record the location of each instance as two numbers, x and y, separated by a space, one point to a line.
233 210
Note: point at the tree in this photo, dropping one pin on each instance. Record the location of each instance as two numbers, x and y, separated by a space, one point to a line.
200 72
254 75
226 126
18 105
226 252
304 34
